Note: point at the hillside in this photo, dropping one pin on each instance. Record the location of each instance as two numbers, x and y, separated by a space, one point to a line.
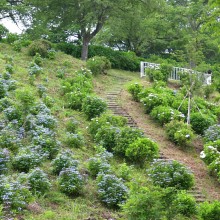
26 96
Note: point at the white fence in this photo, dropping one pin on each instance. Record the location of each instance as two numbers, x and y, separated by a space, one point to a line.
175 73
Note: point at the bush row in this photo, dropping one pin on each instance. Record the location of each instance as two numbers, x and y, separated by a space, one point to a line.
119 60
169 107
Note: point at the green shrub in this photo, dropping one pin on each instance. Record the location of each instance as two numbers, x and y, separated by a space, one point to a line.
164 114
93 106
179 133
153 100
211 151
9 67
3 90
51 54
17 45
72 125
170 174
74 100
63 160
11 38
74 140
124 171
144 204
4 160
70 181
106 120
184 137
142 150
184 204
39 46
212 133
41 90
38 181
34 70
14 195
156 75
98 165
3 32
98 65
209 211
135 89
125 138
46 139
111 190
12 113
26 160
119 59
38 59
106 136
201 122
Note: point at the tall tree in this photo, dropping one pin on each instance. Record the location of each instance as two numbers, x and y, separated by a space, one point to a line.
84 17
11 9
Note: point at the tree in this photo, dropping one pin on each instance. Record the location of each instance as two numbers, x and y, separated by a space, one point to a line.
11 9
84 18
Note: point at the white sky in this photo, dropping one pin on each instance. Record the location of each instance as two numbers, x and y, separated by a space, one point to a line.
12 27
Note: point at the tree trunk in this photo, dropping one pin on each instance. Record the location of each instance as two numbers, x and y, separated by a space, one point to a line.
85 48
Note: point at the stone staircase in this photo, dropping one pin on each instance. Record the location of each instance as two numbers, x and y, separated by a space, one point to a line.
112 98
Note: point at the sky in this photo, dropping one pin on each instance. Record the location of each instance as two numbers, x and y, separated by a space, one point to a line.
12 27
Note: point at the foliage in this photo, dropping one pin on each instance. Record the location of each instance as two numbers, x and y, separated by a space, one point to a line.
142 150
14 195
71 125
201 122
4 160
106 136
106 119
26 160
209 211
153 100
119 59
38 59
38 181
184 204
63 160
156 75
144 204
98 164
76 88
41 90
12 113
34 70
93 106
70 181
212 133
124 171
170 174
164 114
98 65
179 133
135 89
125 137
74 140
39 46
111 190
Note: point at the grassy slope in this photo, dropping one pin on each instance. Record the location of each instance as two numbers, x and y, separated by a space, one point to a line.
56 205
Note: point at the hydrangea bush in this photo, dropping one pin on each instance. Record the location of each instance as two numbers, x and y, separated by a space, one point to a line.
170 174
63 160
70 181
111 190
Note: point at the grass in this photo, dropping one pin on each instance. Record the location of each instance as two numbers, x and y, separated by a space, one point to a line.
56 205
